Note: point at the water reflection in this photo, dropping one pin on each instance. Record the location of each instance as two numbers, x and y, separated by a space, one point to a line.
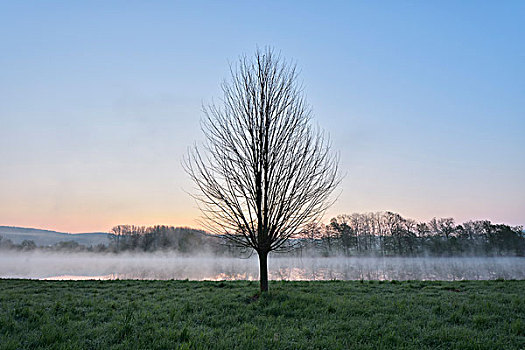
167 266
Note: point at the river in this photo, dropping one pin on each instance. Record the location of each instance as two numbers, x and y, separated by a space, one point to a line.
165 266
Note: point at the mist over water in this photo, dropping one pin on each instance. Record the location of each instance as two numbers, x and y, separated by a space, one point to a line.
163 266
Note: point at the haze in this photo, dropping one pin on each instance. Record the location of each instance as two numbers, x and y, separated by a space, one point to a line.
98 103
165 266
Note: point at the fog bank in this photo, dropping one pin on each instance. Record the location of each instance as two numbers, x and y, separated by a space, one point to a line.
44 265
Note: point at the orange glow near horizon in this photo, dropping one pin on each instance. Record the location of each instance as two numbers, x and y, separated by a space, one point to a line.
103 222
82 224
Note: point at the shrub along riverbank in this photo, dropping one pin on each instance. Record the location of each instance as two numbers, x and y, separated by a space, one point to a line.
228 315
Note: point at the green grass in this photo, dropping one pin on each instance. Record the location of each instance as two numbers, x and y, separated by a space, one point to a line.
294 315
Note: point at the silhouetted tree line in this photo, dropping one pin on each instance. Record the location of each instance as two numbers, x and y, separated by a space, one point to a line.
134 238
389 234
380 234
159 237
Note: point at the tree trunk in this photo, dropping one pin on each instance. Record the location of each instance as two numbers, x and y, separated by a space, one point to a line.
263 271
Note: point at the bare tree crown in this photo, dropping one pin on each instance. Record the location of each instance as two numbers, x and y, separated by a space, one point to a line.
264 171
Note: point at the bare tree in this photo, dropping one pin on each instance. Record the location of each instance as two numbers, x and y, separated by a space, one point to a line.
264 171
447 226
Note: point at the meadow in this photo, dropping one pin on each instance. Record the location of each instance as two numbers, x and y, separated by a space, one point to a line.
130 314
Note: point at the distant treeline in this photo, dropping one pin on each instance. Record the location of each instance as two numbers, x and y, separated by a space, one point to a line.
390 234
378 234
153 238
70 246
132 238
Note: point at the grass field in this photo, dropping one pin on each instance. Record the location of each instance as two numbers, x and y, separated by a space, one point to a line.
229 315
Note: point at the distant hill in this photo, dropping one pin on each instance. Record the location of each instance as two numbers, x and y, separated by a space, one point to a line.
47 237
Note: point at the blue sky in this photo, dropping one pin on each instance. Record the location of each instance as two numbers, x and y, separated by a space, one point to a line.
100 100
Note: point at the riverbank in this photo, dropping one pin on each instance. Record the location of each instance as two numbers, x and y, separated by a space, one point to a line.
228 315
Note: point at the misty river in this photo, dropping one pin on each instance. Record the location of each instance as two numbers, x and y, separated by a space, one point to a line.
166 266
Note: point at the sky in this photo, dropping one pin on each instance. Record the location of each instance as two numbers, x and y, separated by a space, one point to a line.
100 100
